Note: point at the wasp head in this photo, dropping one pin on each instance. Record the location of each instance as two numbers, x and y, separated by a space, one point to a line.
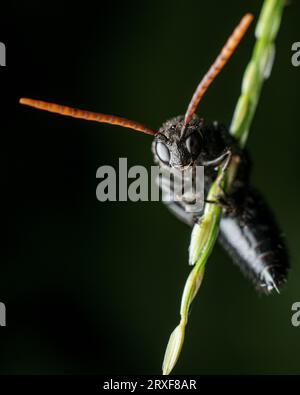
176 145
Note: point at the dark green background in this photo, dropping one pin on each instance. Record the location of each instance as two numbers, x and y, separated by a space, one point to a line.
96 288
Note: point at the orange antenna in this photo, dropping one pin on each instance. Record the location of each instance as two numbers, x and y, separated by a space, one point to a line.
87 115
218 64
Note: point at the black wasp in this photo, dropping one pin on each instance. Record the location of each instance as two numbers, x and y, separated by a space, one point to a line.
248 230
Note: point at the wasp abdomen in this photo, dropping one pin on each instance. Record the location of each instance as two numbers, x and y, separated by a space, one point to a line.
253 239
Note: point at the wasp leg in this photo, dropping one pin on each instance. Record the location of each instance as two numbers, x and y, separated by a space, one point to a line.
217 202
224 198
224 159
225 203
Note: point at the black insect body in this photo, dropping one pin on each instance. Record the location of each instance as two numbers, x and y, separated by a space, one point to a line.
248 230
253 239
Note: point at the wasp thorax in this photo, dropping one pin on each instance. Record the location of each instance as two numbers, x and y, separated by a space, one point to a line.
177 146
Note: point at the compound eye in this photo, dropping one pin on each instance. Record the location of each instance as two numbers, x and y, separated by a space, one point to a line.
193 144
162 152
